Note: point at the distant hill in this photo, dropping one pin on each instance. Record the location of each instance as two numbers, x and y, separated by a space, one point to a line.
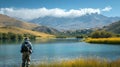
8 21
114 27
8 24
45 29
17 30
82 22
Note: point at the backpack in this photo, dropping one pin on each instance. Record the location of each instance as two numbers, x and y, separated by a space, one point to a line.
25 48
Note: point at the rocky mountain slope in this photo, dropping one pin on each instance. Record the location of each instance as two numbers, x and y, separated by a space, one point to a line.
82 22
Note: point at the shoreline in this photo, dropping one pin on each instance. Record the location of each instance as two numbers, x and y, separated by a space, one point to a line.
90 62
115 40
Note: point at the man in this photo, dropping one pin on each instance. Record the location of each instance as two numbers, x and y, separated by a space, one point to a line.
26 50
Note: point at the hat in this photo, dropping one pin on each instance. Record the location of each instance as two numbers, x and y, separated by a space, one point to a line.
26 38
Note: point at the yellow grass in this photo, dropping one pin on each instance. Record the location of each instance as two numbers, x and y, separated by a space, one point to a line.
80 63
24 31
103 40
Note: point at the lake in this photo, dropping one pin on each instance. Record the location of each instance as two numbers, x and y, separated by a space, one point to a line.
56 49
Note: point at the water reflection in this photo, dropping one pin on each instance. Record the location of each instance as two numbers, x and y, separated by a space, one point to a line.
60 40
40 41
9 42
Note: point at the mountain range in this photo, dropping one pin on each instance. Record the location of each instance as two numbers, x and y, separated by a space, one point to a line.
48 25
83 22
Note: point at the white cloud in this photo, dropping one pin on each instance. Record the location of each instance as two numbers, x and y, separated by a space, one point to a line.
107 8
29 14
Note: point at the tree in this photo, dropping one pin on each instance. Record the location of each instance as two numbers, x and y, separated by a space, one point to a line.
4 36
101 34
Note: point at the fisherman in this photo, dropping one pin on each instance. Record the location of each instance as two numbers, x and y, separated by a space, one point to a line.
26 50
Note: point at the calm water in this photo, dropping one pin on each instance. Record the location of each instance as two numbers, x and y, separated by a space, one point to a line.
56 49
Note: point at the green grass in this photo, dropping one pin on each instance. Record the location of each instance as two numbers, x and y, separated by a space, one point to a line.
103 40
80 63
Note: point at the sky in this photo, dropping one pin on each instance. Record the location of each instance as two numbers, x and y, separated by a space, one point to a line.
31 9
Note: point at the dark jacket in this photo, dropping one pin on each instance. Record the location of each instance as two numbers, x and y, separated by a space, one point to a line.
29 45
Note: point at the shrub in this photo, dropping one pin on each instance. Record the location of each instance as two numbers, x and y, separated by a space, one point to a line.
101 34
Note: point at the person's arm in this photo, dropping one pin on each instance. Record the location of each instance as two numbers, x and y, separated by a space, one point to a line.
30 45
21 47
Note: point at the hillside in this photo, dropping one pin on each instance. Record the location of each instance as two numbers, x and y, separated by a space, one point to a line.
8 21
45 29
82 22
114 27
8 24
17 30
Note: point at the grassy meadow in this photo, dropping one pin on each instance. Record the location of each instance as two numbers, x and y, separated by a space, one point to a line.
115 40
80 63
